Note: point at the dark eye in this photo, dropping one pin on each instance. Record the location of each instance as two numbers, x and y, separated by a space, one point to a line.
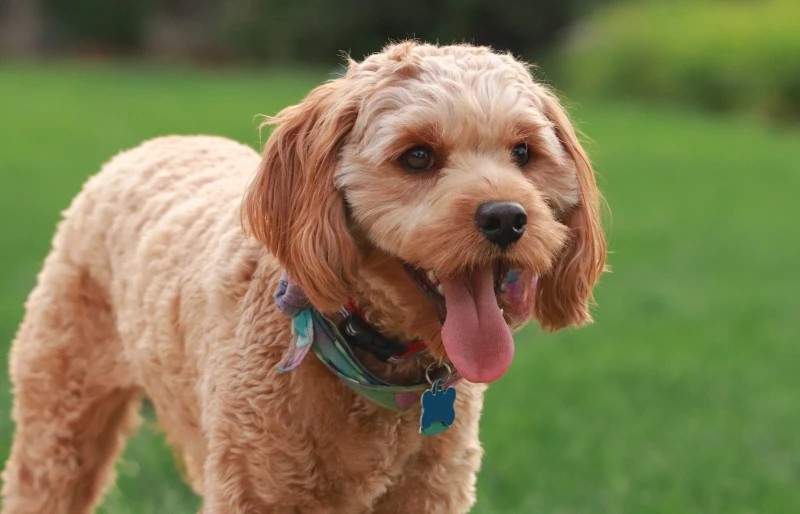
419 158
520 154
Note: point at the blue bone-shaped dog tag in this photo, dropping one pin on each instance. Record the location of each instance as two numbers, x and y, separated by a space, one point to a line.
438 409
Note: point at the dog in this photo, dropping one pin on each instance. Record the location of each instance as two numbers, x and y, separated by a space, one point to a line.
410 214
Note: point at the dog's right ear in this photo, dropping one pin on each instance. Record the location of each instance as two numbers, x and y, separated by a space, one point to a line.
564 293
293 206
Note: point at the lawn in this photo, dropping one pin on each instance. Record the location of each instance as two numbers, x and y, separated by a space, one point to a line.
684 397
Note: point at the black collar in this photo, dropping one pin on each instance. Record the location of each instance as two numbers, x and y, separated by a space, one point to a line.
360 334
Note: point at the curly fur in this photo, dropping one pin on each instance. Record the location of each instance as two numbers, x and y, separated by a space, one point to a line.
154 289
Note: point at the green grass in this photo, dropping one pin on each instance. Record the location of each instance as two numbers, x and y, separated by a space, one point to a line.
683 398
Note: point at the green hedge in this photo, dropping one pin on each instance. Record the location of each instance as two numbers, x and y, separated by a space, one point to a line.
318 30
117 24
309 31
733 55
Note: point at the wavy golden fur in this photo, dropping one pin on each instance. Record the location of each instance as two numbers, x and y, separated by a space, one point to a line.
153 288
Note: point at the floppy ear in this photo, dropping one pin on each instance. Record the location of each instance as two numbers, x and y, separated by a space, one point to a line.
564 293
292 205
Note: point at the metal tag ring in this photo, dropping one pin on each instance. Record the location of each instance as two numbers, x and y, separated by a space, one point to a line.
428 371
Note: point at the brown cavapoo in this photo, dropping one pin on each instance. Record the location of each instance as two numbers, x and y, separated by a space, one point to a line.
435 196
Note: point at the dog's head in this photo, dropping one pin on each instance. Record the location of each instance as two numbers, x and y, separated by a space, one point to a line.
416 182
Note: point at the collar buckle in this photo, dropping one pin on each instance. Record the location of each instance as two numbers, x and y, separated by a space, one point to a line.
360 334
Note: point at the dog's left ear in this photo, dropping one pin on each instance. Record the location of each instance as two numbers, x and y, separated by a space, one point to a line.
292 204
564 293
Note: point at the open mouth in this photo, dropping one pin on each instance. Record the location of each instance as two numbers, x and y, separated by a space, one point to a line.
430 286
475 335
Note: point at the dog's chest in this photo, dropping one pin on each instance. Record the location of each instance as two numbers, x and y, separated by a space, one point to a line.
360 456
376 452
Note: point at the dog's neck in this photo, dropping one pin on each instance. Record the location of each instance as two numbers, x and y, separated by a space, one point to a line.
376 306
393 360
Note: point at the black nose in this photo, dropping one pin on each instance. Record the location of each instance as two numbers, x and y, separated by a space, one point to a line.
502 223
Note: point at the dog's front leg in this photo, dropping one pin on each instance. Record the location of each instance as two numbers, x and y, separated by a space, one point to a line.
248 471
260 456
250 466
435 489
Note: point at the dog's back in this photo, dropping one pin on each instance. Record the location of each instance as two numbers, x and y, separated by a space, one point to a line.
163 198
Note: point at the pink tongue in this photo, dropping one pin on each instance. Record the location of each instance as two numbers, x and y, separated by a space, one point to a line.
475 335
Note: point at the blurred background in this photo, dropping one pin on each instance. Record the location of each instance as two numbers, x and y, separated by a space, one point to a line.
684 397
